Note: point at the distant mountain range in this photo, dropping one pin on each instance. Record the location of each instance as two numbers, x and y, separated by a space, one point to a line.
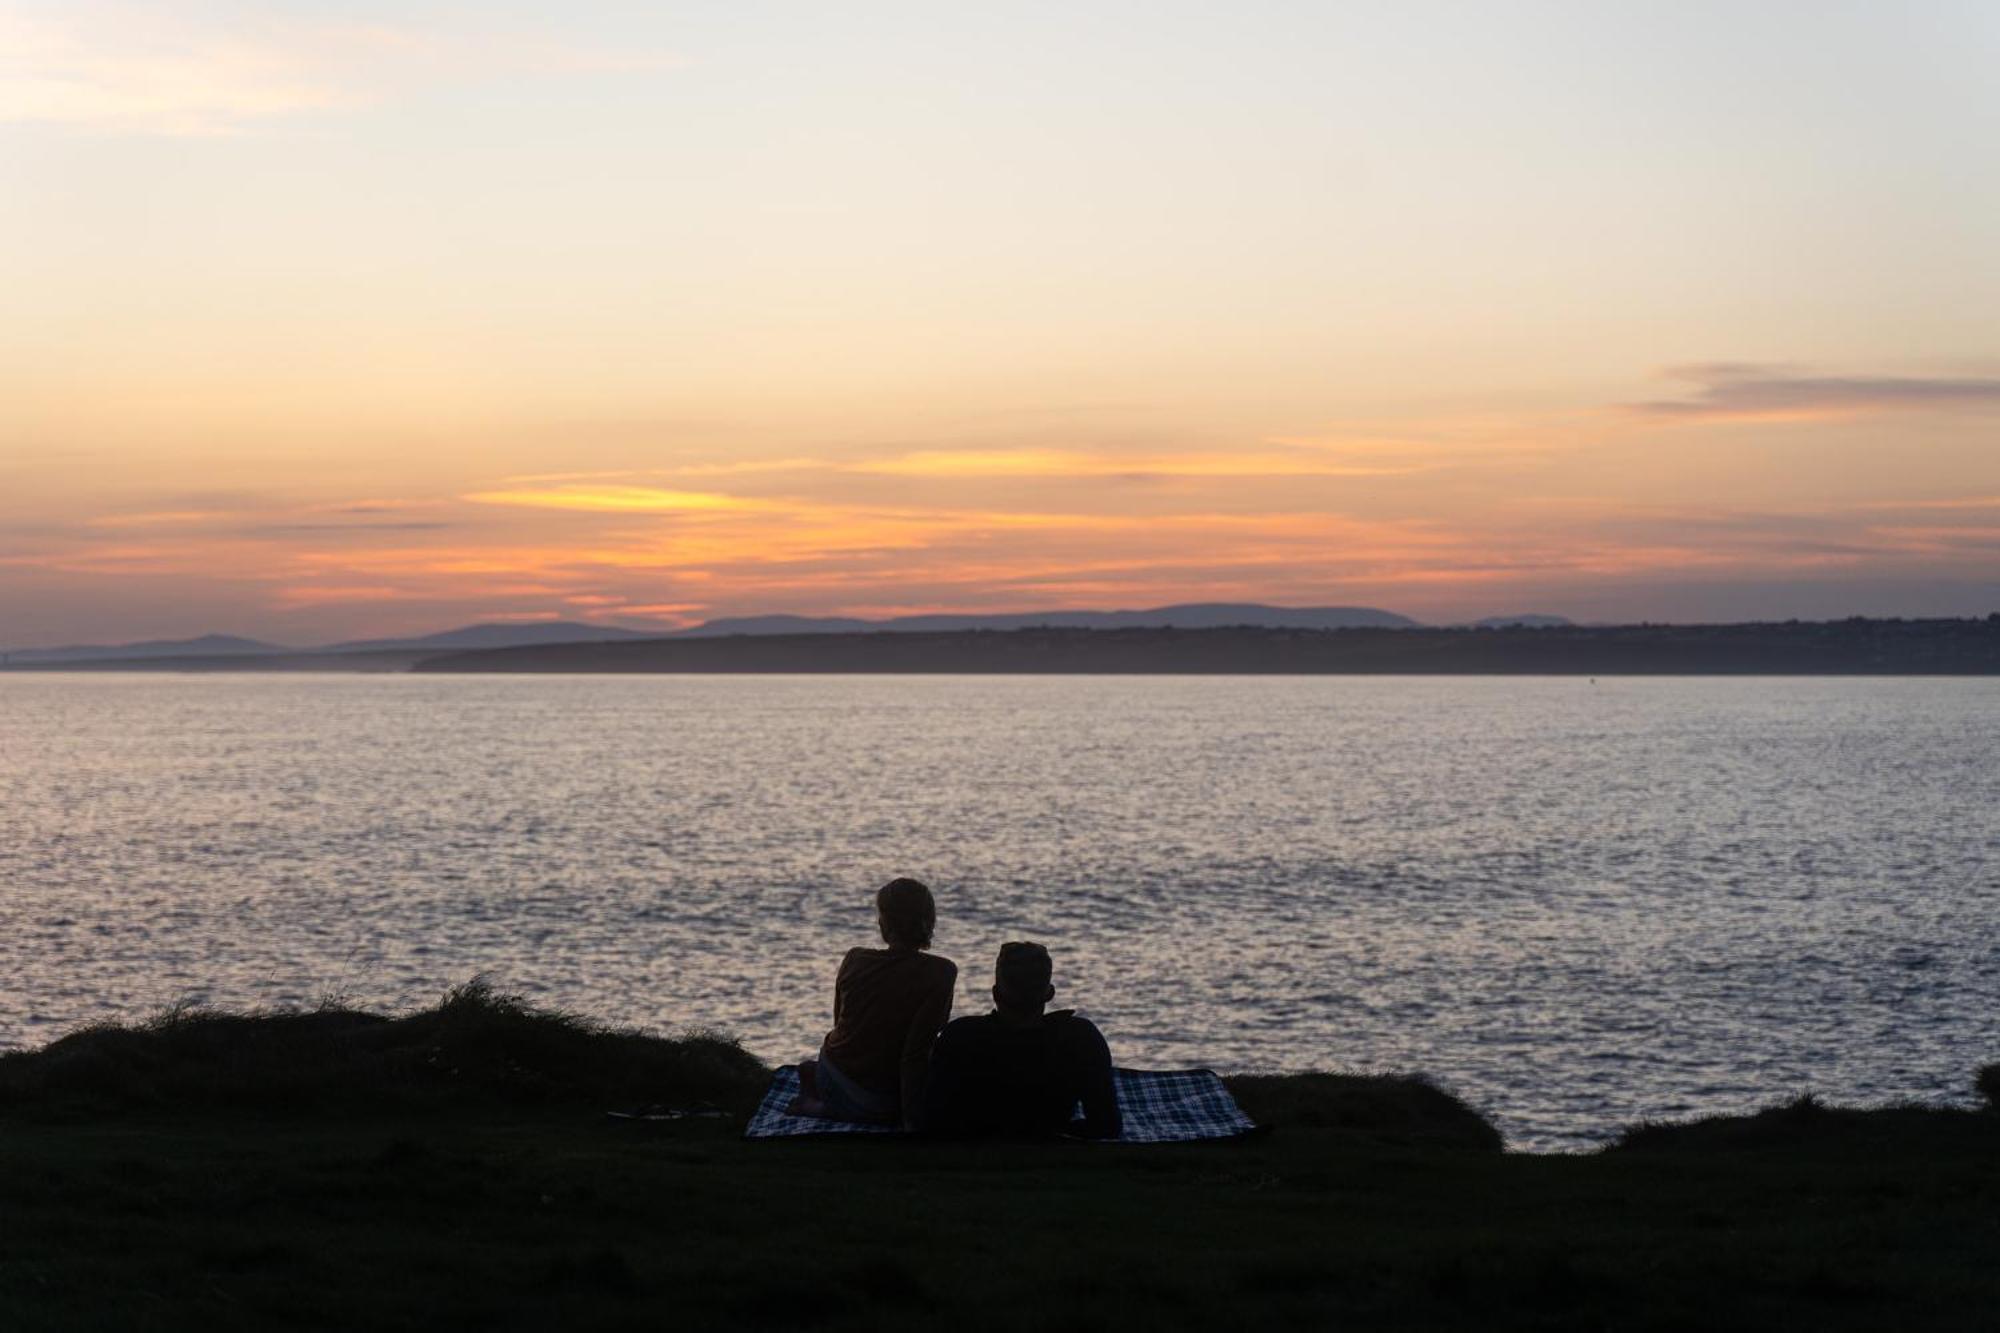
1193 615
501 635
467 638
208 645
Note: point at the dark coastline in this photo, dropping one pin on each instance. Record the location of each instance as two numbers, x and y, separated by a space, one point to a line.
1855 647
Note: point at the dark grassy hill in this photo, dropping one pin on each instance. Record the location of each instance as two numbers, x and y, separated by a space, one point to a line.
453 1169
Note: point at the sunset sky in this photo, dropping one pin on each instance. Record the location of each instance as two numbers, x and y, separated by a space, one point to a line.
326 320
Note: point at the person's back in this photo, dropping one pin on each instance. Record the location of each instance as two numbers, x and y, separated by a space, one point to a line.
888 1005
1018 1070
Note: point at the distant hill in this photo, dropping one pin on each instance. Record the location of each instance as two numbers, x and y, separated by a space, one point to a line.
1191 615
779 624
307 659
208 645
503 634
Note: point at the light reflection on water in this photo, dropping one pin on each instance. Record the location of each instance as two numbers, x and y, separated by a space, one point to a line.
1578 905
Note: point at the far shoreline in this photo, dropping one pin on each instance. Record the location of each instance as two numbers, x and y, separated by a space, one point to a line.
1854 648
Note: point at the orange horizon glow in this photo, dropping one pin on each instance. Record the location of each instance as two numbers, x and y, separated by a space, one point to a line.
605 548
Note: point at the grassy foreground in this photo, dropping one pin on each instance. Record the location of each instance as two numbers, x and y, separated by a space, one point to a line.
454 1169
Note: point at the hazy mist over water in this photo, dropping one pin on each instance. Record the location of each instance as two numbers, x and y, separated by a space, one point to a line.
1576 904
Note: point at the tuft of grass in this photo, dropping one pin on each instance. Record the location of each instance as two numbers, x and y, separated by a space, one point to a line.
1808 1123
1987 1080
1399 1108
1791 1122
477 1045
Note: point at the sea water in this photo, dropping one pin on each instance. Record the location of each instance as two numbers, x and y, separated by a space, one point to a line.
1577 904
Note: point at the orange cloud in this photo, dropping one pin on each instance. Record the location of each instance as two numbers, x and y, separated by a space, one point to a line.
293 598
676 613
616 500
158 518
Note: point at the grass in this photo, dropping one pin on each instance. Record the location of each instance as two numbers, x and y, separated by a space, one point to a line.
1808 1123
453 1169
477 1048
1393 1109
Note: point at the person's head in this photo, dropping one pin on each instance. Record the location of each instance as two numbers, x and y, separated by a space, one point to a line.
1021 979
906 913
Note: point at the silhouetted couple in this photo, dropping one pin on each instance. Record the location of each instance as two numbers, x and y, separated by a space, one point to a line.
892 1058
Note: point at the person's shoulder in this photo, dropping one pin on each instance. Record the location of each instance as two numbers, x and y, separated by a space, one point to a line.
962 1030
1079 1029
930 970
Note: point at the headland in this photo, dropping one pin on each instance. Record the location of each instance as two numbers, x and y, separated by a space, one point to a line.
1854 647
455 1168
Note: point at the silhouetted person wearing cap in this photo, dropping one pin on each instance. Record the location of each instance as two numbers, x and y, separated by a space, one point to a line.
1019 1070
888 1005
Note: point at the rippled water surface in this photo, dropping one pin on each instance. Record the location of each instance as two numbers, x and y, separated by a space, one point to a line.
1577 905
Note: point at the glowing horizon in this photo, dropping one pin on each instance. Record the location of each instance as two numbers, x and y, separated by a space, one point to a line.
338 322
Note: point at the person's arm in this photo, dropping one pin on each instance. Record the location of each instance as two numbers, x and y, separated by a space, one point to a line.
1101 1116
838 989
944 1085
931 1016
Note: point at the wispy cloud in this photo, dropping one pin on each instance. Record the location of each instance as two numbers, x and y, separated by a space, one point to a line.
296 598
341 529
1292 462
1957 502
1738 390
116 69
157 518
128 68
1276 459
376 506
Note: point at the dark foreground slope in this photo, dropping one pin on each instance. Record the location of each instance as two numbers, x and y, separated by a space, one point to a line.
454 1170
1866 647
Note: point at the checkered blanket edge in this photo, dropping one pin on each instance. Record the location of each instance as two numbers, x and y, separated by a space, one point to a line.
1158 1106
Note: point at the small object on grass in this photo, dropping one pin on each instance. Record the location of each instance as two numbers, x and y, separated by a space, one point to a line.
654 1111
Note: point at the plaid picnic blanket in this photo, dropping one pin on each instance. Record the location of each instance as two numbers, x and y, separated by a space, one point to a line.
1158 1106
